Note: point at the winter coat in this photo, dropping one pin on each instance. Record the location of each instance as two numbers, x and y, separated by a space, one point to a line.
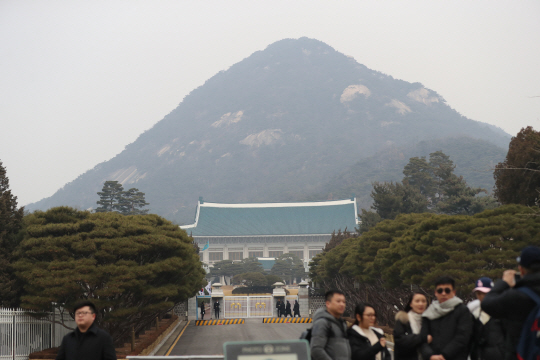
296 308
512 307
361 348
329 337
488 339
94 344
451 334
406 343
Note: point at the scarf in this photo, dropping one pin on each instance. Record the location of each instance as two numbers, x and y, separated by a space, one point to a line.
480 315
416 321
436 310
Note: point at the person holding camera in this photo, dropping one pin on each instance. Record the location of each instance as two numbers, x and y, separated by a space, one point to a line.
506 302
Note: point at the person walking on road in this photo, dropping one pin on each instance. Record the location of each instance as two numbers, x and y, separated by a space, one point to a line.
367 342
282 309
329 331
288 309
449 322
407 336
296 308
488 333
505 300
87 341
216 309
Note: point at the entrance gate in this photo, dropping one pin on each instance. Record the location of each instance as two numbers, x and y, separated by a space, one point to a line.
247 306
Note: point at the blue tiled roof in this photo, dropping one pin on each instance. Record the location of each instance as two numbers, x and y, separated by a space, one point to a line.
273 219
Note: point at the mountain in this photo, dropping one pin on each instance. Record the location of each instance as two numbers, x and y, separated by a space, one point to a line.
277 126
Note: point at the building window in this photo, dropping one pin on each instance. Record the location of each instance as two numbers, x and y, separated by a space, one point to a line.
275 254
236 255
255 254
201 256
298 253
215 256
312 253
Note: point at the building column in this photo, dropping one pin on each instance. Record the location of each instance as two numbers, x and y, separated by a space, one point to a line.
303 299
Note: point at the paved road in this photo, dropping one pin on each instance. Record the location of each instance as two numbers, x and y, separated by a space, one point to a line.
208 340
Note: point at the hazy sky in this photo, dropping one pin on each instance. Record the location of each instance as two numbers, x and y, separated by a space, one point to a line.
79 80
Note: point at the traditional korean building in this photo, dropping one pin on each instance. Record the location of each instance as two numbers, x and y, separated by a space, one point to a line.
238 231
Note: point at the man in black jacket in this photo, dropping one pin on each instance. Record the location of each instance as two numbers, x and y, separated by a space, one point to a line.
87 341
505 302
449 322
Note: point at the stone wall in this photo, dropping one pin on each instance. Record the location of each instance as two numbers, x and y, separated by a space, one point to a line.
315 303
181 309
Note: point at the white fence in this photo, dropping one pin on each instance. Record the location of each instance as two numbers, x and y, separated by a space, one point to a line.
22 334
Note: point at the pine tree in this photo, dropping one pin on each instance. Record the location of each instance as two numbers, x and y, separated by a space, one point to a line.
11 222
114 198
111 197
134 268
132 201
517 178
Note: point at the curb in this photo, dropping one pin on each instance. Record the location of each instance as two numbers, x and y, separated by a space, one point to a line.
219 322
287 320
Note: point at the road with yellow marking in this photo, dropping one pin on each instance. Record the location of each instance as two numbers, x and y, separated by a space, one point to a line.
208 340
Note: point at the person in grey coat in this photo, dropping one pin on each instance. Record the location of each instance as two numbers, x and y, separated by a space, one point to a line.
329 332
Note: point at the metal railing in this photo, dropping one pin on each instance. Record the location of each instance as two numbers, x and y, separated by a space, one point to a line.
22 334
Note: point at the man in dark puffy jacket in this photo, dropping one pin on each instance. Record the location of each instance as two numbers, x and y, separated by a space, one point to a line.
449 322
329 331
488 333
505 302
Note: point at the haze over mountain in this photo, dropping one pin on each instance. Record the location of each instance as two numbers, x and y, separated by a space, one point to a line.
278 126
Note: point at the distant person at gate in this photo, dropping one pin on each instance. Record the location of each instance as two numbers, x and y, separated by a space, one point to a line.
216 309
296 308
288 309
329 331
278 308
202 310
87 341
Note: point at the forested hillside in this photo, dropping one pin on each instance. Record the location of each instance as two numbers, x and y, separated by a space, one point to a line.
474 159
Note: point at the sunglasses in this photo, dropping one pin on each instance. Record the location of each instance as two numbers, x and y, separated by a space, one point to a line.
446 290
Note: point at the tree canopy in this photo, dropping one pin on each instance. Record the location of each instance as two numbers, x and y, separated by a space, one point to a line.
288 266
133 267
427 186
232 268
415 249
517 178
10 224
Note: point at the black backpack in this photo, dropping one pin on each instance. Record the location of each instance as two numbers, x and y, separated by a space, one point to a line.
529 342
306 335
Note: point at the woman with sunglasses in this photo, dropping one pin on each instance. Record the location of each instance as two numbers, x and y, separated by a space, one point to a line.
407 337
367 342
